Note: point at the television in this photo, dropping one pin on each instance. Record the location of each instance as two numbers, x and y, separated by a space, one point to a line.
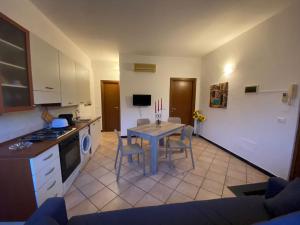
141 100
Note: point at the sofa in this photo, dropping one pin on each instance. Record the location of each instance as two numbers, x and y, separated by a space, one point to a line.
280 205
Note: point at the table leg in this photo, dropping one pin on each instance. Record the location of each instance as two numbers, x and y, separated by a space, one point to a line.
154 155
129 142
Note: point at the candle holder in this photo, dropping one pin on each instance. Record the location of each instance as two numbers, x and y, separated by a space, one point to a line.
158 119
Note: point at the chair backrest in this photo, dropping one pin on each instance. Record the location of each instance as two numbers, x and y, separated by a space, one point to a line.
120 142
141 122
187 132
174 120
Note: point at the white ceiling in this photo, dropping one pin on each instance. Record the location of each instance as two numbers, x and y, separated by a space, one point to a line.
103 28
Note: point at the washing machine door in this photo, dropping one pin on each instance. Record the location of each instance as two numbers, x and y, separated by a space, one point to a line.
86 143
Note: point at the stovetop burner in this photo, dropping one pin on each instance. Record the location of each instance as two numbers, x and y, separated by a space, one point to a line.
47 134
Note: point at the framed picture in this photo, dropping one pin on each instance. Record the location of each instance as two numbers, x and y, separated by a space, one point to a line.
218 95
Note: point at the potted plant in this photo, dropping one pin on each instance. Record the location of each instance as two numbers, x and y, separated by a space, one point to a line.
199 117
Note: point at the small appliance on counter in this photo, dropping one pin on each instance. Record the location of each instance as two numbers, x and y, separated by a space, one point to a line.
68 117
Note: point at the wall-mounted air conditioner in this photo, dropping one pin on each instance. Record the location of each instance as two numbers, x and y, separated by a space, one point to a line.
144 67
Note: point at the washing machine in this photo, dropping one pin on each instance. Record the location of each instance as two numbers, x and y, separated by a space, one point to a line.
85 146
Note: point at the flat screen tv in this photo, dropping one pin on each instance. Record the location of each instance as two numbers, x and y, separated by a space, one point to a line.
141 100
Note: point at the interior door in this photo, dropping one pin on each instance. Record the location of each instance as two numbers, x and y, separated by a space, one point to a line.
110 96
295 171
182 98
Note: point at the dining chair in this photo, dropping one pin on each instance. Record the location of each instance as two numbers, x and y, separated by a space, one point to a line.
127 150
141 122
172 144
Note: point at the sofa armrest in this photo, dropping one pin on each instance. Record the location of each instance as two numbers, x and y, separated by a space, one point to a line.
54 208
275 185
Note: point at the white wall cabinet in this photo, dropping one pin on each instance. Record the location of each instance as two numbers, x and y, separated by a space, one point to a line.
67 81
83 84
95 130
45 71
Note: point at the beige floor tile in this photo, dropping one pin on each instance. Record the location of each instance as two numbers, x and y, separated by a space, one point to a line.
199 171
161 192
145 183
148 200
220 163
237 175
120 186
84 207
133 195
91 166
230 181
216 177
73 199
158 175
133 176
170 181
238 168
83 179
213 186
218 169
177 197
108 178
187 189
193 179
72 188
227 193
101 198
116 204
99 172
206 195
91 188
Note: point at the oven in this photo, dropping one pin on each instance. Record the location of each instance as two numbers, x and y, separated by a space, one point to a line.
69 152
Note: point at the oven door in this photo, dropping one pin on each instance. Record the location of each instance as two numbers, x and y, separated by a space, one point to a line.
69 152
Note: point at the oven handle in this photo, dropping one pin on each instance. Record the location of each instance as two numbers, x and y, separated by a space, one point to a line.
48 157
52 185
50 171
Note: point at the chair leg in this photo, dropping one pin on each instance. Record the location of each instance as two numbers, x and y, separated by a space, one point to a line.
116 158
119 168
192 158
170 157
141 142
144 164
185 150
138 156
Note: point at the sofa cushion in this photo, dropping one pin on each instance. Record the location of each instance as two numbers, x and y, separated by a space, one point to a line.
287 201
275 185
289 219
46 220
233 211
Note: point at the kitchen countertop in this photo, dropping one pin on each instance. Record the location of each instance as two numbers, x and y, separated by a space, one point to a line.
37 147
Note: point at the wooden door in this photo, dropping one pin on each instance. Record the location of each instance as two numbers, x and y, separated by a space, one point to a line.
182 98
295 171
110 96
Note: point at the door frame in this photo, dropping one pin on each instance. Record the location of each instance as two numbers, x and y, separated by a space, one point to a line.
296 154
102 100
194 81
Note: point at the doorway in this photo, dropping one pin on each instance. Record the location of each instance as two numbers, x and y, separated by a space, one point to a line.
110 98
295 171
182 99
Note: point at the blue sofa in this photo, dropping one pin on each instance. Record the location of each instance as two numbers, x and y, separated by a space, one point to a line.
229 211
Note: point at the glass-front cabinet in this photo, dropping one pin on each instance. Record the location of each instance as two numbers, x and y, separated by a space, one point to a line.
15 72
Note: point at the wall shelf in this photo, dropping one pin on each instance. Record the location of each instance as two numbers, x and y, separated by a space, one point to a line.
14 85
11 45
12 65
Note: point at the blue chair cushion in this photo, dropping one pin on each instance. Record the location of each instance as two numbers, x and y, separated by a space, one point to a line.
45 220
289 219
287 201
275 186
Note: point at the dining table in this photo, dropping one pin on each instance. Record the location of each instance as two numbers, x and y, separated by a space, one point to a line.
155 133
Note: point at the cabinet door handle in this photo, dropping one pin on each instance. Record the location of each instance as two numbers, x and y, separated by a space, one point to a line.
49 88
50 171
48 157
51 186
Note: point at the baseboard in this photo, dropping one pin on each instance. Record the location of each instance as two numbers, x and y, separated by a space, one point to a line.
240 158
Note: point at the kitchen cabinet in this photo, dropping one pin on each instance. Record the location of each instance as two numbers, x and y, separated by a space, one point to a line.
15 72
95 130
45 71
83 84
68 82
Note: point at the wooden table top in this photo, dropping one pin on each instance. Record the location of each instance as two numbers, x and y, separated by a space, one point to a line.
154 130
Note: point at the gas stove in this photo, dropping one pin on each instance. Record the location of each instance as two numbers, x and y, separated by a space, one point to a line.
47 134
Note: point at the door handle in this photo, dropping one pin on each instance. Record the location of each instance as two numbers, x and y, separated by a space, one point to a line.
116 107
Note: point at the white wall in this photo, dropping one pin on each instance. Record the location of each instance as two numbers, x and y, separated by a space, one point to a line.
267 55
157 84
103 70
27 15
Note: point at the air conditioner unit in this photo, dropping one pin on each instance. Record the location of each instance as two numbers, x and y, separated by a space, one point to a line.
143 67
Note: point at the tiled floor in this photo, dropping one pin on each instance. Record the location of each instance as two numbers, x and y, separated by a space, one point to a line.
96 188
